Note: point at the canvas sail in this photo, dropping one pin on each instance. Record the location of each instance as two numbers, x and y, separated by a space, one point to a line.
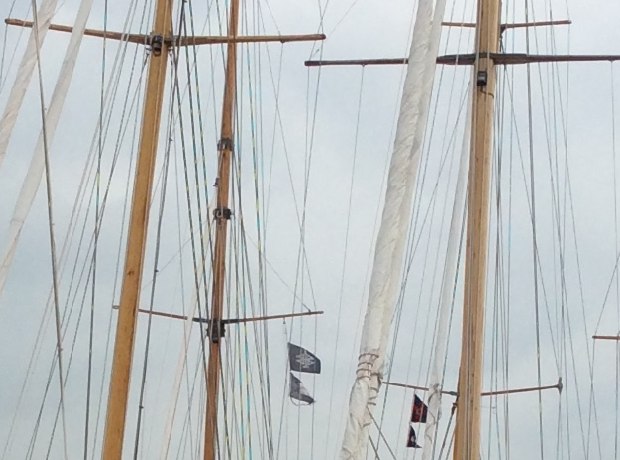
395 219
24 74
52 117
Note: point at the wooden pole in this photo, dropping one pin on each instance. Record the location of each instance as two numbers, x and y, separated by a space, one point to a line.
136 238
142 39
471 59
252 319
467 429
514 25
203 40
418 387
559 386
222 215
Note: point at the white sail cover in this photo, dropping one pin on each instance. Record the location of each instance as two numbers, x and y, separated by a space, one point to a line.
24 74
387 265
37 165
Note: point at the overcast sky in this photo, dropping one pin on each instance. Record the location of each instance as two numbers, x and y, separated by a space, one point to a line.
316 124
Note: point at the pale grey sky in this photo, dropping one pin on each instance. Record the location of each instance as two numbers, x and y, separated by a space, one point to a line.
355 29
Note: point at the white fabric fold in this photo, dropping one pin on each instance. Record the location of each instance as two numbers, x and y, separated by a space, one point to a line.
37 164
392 235
24 74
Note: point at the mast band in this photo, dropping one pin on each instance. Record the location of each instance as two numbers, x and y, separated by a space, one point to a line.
219 213
217 330
157 44
225 143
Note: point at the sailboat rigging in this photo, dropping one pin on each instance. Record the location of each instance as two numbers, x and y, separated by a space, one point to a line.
486 57
218 198
160 43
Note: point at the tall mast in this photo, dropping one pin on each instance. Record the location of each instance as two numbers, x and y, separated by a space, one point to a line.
467 430
136 238
222 215
160 41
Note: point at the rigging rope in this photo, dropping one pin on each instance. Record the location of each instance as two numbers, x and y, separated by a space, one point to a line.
96 231
345 254
50 213
4 48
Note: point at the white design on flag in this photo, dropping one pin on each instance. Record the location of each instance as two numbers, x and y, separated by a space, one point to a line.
304 359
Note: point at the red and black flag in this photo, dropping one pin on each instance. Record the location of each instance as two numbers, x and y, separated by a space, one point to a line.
418 411
411 439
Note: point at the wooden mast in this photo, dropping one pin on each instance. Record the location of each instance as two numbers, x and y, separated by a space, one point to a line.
136 238
467 429
222 214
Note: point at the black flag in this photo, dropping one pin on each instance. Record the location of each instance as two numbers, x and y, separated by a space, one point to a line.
301 360
298 391
411 439
418 411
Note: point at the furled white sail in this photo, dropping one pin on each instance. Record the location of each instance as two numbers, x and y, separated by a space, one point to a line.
24 74
449 275
37 164
395 219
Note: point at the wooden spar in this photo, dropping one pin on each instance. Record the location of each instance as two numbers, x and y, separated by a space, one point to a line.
522 58
142 39
470 59
229 320
559 386
467 428
133 38
136 238
362 62
514 25
222 214
204 40
606 337
418 387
